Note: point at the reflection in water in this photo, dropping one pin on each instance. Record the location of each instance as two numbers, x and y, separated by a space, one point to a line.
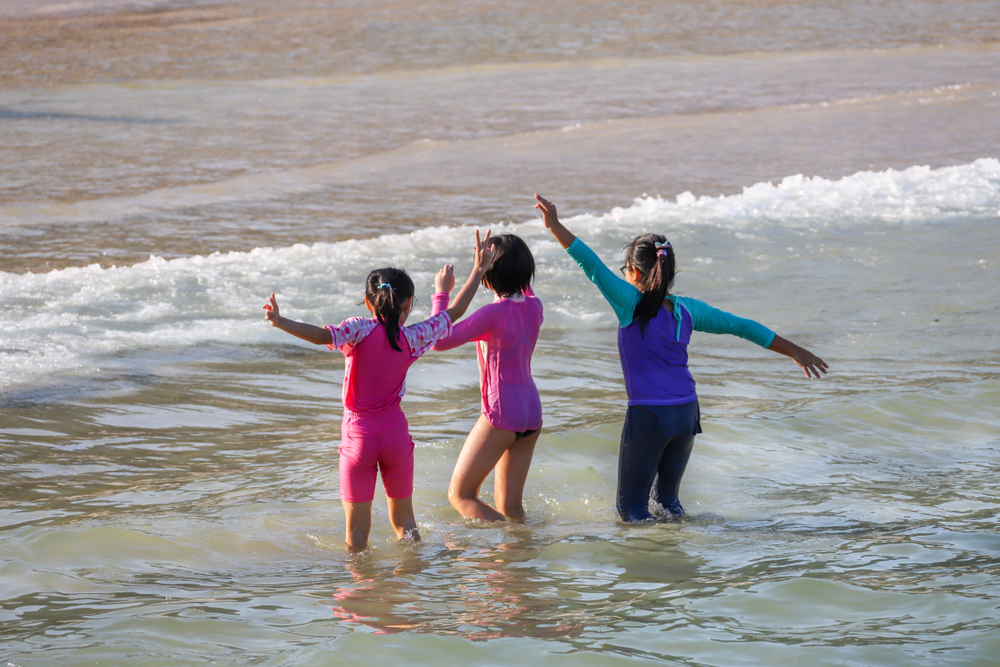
170 491
478 594
527 585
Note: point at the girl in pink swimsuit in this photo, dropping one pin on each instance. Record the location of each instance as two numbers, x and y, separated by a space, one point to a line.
378 351
504 437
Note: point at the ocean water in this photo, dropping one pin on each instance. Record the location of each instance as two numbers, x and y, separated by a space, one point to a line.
170 492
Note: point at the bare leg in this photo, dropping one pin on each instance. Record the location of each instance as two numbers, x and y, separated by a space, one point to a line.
480 453
402 519
511 474
359 524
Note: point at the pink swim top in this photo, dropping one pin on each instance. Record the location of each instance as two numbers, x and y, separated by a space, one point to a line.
506 330
375 374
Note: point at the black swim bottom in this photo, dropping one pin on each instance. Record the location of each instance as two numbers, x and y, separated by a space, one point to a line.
524 434
655 447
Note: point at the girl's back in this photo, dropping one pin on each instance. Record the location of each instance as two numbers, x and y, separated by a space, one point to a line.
506 331
508 344
375 374
655 364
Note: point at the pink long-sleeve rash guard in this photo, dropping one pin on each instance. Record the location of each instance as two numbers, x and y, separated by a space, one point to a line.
506 330
374 373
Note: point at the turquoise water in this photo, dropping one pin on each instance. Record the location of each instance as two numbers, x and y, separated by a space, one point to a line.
171 491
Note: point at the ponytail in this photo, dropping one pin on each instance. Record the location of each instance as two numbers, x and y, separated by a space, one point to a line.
387 290
653 256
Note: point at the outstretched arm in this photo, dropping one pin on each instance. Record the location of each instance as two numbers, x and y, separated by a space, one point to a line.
551 218
620 294
712 320
484 253
807 361
307 332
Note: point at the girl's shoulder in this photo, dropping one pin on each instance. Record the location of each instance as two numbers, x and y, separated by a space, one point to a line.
350 332
498 308
686 305
434 321
354 324
691 304
363 325
533 300
523 301
683 300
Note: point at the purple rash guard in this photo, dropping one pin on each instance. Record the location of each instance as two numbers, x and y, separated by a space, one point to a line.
655 366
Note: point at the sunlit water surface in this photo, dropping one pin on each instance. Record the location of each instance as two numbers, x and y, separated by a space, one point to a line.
170 492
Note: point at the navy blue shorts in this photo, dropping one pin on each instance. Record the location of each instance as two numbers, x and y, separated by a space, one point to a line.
655 447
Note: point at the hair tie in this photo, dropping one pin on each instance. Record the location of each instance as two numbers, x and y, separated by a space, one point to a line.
661 248
385 286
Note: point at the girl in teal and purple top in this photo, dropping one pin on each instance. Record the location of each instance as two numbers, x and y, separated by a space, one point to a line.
654 331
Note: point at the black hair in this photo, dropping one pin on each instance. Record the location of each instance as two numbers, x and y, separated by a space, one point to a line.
513 266
387 302
657 267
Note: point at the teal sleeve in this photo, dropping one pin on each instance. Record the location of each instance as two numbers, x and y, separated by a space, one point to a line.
620 294
712 320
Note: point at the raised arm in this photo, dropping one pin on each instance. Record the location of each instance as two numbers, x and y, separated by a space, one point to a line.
484 253
551 219
621 295
307 332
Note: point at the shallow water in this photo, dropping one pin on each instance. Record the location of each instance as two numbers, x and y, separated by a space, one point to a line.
171 494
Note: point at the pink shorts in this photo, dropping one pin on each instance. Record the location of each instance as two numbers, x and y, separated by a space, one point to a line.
373 441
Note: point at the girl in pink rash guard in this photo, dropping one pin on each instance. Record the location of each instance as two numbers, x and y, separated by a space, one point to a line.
378 351
504 437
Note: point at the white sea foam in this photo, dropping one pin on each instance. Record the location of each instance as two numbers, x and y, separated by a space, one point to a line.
73 320
914 195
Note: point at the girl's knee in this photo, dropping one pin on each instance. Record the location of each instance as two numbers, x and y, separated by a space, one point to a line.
462 500
455 492
456 498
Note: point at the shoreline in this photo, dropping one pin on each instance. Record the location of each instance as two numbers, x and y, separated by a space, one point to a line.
73 42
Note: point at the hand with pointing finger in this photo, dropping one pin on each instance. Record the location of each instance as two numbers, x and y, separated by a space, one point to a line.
548 210
550 217
271 313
